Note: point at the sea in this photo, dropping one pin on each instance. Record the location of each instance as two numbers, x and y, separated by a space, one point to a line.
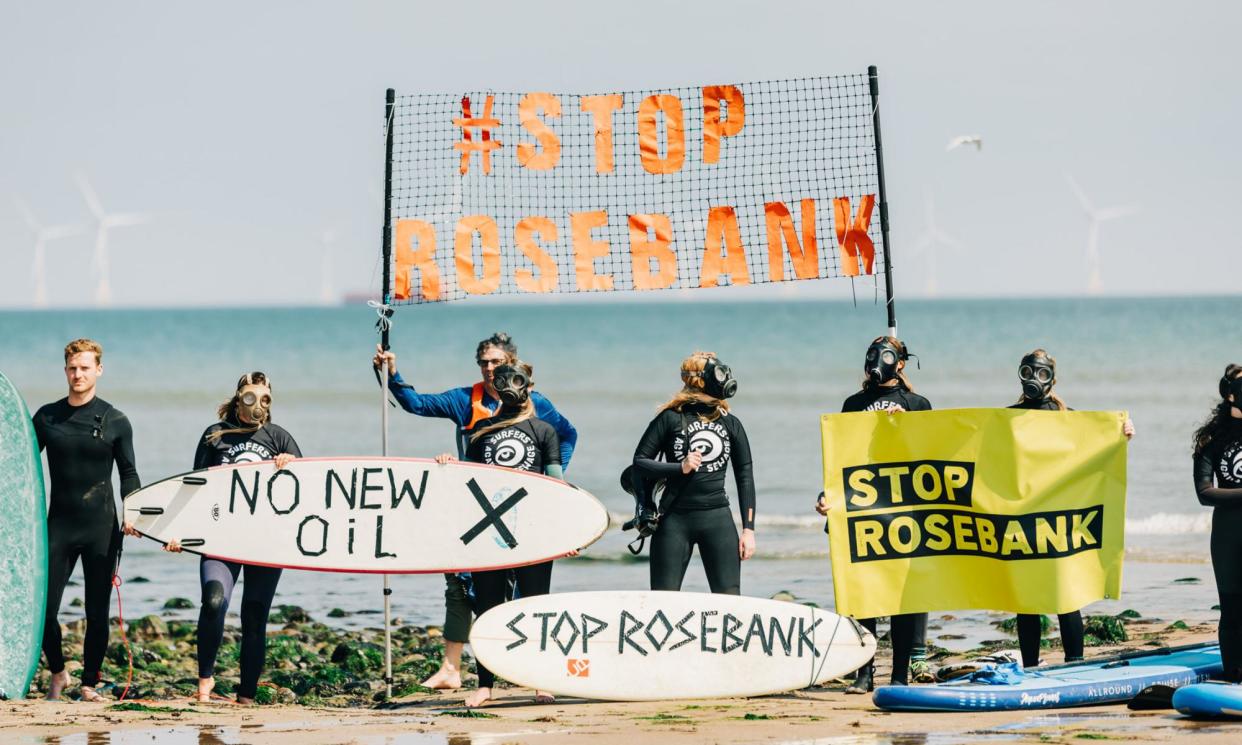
608 365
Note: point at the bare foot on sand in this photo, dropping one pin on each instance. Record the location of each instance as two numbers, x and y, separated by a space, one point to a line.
478 698
90 694
543 697
205 685
56 685
447 678
245 701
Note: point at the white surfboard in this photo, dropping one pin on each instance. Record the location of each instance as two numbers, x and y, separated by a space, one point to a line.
647 646
394 515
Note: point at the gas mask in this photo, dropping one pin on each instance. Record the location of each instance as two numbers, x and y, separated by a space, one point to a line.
718 380
254 404
1037 374
881 362
511 384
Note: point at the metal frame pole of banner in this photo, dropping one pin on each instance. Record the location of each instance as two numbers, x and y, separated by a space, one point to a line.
385 298
874 79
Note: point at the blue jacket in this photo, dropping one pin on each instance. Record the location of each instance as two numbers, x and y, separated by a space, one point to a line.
455 404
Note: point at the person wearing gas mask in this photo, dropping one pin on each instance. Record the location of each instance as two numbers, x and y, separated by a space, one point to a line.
83 436
244 434
886 388
698 438
1037 373
467 406
513 438
1218 458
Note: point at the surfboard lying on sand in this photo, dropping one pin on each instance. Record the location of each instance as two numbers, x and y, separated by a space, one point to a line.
1209 700
394 515
646 646
23 545
1104 681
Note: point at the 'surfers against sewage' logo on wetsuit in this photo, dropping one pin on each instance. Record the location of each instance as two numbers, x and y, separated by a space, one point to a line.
1230 465
708 439
511 448
883 405
247 452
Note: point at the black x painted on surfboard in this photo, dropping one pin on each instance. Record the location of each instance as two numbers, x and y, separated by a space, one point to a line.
492 515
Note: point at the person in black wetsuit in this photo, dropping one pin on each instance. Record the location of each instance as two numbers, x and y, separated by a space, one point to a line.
886 388
1218 457
513 438
1038 374
83 435
244 434
697 438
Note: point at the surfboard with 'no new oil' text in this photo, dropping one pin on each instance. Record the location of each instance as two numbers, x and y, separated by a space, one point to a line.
391 515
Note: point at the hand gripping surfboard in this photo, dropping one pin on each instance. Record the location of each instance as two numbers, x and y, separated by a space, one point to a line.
649 646
393 515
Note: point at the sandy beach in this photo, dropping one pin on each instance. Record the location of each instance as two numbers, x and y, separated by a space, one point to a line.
817 715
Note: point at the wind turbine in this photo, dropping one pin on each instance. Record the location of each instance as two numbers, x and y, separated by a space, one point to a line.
931 238
38 268
1095 216
327 295
104 222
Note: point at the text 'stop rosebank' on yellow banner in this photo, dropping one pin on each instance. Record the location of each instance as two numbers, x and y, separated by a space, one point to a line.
1001 509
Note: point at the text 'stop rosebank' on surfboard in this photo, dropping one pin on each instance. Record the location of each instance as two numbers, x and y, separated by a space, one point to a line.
391 515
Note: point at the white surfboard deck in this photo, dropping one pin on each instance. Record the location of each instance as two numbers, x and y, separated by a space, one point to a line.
647 646
393 515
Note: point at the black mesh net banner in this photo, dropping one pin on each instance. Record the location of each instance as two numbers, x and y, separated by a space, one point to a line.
530 193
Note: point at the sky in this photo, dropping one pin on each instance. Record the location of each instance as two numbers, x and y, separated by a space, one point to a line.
246 131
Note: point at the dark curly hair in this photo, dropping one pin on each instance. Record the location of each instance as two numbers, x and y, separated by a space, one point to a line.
1220 418
501 341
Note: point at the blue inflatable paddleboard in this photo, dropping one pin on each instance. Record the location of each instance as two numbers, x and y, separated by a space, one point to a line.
23 545
1209 700
1104 681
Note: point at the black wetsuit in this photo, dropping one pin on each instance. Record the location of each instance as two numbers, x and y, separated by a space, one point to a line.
908 630
530 445
696 506
219 577
1030 629
1221 461
82 443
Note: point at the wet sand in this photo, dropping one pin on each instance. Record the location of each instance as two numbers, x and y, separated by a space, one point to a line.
825 716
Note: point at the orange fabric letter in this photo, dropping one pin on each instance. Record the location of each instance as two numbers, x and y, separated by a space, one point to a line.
601 108
713 126
855 243
723 252
804 256
407 258
649 134
463 247
528 114
644 248
524 236
587 249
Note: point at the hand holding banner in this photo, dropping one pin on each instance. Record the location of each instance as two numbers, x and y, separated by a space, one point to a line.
999 509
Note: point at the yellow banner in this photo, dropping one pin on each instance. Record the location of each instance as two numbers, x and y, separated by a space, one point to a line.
1000 509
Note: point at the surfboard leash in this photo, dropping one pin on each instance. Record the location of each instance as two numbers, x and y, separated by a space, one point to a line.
120 613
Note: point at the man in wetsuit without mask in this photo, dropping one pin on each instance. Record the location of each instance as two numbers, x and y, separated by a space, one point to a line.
83 435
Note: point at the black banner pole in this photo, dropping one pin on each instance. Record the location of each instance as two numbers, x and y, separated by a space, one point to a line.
874 78
385 314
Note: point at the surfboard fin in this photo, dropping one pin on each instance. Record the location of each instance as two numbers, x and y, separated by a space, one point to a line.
1153 697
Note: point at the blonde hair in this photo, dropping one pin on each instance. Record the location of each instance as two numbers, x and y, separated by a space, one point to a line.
78 346
227 411
1051 361
694 388
903 354
526 412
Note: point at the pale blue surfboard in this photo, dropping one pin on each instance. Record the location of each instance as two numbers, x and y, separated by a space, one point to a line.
23 546
1210 700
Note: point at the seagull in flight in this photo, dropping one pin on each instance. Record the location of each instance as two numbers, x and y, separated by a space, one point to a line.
956 142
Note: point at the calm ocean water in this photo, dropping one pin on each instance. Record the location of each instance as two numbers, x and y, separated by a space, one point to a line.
607 366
